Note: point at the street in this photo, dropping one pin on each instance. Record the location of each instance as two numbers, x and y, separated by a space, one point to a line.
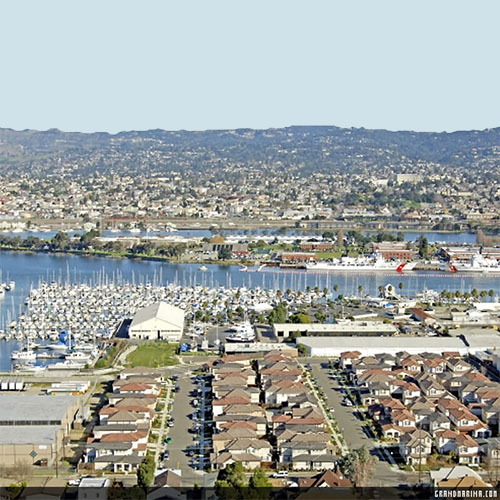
354 433
182 439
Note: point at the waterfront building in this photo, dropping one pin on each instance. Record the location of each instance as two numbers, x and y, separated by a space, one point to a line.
160 321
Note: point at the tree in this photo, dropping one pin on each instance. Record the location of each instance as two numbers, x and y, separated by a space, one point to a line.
423 247
231 482
278 314
360 289
146 472
224 253
260 482
301 318
381 290
336 287
358 466
340 238
491 293
401 286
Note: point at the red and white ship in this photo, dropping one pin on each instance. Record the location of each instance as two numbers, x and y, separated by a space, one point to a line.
374 263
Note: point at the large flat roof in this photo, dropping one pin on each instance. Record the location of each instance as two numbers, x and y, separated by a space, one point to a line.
31 408
399 342
352 326
28 434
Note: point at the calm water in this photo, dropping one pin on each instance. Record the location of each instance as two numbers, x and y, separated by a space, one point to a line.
27 270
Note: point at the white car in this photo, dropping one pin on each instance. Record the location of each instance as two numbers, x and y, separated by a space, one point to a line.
280 473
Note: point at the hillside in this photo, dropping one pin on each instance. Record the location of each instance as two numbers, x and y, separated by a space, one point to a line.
306 149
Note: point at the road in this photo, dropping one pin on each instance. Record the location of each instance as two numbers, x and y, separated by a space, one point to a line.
182 439
354 433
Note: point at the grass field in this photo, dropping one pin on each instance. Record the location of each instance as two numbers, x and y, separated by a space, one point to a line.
153 355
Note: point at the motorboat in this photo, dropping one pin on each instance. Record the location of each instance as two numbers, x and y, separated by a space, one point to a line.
242 332
78 356
27 355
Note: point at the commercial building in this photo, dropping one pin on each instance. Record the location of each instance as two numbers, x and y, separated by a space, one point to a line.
348 328
33 428
334 346
393 250
160 321
260 348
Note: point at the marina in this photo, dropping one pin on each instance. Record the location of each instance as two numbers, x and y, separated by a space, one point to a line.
88 297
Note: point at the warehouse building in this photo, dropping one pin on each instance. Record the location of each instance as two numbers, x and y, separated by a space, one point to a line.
33 428
347 328
159 321
367 346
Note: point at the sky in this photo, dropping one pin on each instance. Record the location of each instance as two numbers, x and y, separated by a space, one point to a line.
108 65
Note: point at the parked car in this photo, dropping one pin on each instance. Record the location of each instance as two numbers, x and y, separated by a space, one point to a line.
280 473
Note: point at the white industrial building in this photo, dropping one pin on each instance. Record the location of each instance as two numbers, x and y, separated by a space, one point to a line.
334 346
284 330
160 321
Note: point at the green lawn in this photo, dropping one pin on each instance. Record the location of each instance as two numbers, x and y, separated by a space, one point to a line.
153 355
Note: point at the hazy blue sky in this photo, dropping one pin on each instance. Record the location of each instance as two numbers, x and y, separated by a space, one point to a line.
184 64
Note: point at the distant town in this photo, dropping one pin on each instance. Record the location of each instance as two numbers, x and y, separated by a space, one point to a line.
272 312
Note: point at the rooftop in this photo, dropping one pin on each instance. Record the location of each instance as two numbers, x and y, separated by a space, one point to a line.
29 434
160 310
33 408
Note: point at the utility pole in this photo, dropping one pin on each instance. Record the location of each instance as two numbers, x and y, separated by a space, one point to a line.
420 461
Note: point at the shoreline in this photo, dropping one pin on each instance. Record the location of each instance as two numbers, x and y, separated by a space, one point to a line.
114 255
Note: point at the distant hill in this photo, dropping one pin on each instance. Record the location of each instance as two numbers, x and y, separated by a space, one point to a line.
306 149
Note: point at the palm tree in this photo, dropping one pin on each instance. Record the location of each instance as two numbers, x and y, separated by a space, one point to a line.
360 289
325 291
336 287
401 285
381 290
483 294
491 293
